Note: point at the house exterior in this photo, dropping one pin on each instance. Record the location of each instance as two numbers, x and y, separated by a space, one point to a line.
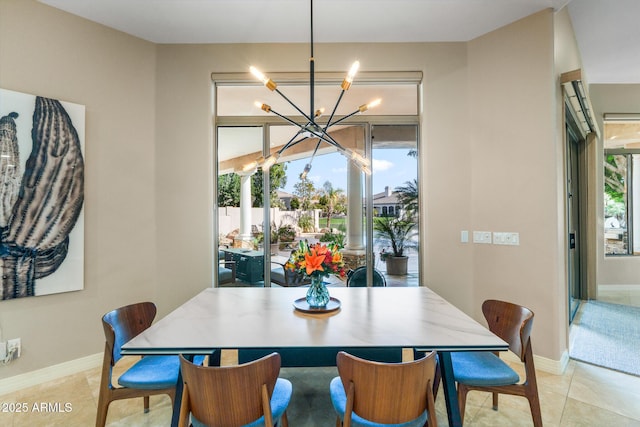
386 203
285 198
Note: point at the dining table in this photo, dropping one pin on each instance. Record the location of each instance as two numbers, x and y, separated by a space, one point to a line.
363 318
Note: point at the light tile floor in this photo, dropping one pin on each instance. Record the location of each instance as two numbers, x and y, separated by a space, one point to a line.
584 395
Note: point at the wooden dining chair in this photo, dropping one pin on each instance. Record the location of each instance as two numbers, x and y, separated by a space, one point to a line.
485 371
151 375
249 394
377 394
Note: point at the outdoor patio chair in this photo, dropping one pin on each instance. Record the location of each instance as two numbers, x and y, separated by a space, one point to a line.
358 277
226 269
287 278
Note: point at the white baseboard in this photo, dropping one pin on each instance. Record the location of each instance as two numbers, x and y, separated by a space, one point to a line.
39 376
614 287
556 367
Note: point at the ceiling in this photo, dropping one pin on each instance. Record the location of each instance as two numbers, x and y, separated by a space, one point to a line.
606 31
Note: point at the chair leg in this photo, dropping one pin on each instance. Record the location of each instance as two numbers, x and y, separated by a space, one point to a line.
284 421
534 404
146 404
431 408
436 380
462 401
103 408
495 401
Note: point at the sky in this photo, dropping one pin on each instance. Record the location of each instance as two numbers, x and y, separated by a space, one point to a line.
391 167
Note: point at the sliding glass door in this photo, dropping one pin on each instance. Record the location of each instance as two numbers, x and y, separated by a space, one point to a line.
313 192
395 203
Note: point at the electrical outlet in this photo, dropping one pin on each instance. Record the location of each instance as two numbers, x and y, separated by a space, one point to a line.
13 348
501 238
482 237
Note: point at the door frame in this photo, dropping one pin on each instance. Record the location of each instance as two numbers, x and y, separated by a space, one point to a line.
588 229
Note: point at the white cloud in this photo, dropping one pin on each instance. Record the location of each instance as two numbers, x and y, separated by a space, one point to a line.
314 178
381 165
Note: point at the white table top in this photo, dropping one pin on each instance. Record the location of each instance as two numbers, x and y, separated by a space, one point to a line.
236 318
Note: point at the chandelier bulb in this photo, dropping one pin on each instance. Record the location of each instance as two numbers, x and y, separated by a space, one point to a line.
319 112
270 84
264 107
372 104
346 83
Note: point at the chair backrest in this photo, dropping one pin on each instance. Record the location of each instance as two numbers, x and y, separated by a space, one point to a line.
511 322
387 393
124 323
229 395
358 278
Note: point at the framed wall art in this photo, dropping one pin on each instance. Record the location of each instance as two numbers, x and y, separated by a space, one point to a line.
41 195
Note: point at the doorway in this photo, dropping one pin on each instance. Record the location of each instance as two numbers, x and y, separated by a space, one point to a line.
576 214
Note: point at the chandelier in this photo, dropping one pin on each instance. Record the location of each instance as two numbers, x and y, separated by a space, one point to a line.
309 127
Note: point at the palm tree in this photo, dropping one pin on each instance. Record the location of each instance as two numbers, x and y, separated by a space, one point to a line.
332 197
408 197
397 232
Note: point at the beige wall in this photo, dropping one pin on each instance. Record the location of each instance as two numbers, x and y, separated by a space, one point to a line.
148 209
499 173
47 52
515 170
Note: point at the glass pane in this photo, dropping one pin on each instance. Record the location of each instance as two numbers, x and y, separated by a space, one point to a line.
396 202
240 214
309 206
615 204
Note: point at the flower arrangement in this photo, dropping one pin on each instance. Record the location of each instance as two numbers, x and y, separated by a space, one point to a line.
316 260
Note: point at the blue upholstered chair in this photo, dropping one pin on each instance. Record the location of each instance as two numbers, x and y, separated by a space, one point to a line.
358 278
247 395
151 375
376 394
485 371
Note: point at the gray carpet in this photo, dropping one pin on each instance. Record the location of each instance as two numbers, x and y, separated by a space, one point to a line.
608 335
310 404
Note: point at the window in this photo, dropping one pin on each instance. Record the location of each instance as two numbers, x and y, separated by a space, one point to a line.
621 196
621 186
314 206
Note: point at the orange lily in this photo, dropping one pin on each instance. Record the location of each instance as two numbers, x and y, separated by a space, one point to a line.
313 262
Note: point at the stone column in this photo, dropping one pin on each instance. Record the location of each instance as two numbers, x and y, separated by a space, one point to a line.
354 251
245 237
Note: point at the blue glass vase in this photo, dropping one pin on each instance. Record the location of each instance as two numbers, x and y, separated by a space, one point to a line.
318 294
